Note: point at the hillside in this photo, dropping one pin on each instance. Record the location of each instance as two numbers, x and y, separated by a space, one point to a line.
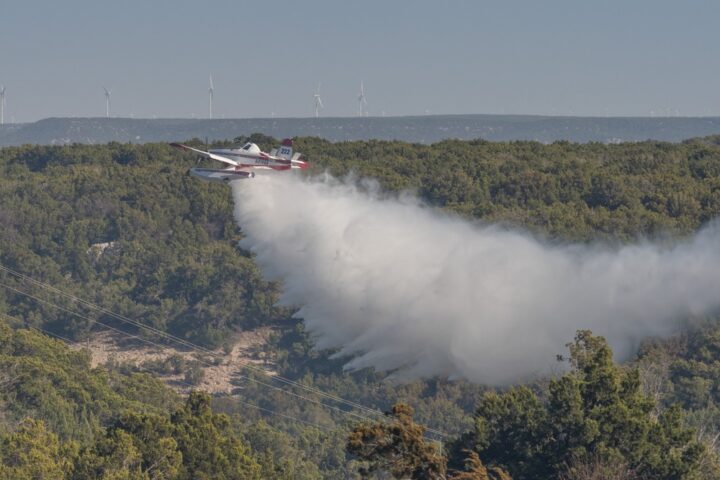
122 227
61 418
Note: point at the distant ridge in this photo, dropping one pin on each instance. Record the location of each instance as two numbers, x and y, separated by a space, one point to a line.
420 129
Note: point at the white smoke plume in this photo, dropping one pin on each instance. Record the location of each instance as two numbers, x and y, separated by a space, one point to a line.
399 286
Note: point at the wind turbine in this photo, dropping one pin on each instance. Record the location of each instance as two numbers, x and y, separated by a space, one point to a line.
211 91
361 99
2 104
107 102
318 102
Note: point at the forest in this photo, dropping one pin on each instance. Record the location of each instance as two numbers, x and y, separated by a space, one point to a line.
123 227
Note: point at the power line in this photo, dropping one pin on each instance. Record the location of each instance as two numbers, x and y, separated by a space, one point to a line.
187 343
79 373
194 347
140 367
155 344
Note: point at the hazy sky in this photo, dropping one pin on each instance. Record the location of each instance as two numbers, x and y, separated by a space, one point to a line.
579 57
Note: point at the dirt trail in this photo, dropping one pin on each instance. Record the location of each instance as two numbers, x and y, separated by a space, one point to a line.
218 377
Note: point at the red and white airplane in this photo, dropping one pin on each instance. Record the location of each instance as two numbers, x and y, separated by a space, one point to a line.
242 161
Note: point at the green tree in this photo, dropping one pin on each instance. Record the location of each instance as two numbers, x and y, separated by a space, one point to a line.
139 444
596 411
33 453
208 450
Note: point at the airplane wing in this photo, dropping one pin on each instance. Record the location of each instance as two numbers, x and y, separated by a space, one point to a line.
226 175
209 155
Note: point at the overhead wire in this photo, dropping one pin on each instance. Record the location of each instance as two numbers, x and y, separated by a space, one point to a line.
187 384
184 342
193 347
157 345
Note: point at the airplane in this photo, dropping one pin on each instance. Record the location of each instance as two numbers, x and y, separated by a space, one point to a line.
242 161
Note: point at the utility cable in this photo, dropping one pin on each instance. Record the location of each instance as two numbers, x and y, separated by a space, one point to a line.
192 346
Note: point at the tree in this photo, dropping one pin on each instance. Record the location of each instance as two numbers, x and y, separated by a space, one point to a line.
397 447
138 444
595 413
511 430
193 443
33 453
208 449
114 457
475 470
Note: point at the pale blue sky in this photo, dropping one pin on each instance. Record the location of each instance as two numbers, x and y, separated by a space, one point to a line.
578 57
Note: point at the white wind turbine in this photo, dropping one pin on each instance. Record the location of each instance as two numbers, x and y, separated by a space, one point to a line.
107 102
211 91
2 104
362 100
318 102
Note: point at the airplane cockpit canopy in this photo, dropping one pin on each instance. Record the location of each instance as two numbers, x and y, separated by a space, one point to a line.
251 148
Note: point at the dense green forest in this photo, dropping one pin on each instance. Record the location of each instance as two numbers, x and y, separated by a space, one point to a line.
124 227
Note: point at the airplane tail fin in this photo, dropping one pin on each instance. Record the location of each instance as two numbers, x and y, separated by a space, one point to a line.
285 150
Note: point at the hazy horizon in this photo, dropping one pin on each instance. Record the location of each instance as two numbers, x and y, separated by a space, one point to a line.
8 122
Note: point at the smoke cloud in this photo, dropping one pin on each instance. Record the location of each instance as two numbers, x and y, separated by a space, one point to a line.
396 285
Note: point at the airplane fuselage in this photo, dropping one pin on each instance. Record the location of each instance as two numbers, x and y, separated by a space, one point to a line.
261 159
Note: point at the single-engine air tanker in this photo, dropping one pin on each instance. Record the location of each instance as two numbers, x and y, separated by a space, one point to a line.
242 161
